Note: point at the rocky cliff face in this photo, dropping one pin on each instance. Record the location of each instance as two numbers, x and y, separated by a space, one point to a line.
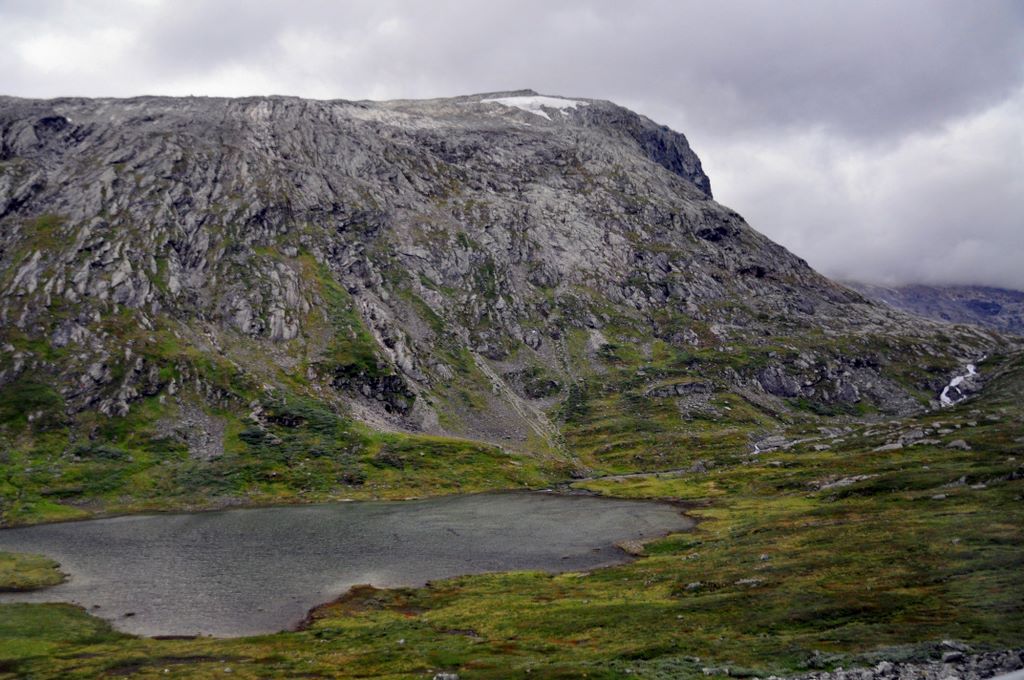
502 267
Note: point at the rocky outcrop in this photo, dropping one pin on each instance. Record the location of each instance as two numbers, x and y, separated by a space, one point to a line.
953 660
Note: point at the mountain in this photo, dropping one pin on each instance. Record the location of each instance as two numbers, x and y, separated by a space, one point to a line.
216 302
999 308
264 298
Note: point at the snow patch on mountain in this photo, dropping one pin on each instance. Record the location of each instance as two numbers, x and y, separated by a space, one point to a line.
536 104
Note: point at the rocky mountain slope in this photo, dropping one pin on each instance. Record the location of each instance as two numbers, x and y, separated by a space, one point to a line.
242 298
998 308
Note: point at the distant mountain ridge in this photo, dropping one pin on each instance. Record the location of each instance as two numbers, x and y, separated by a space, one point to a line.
998 308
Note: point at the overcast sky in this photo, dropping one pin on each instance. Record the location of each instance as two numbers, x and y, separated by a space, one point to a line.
880 140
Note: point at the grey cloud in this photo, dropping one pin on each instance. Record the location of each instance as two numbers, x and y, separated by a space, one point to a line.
944 206
865 68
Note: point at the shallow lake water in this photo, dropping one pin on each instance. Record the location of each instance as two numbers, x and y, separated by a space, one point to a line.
260 570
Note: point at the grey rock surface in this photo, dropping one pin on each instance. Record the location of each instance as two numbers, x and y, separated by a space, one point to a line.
952 663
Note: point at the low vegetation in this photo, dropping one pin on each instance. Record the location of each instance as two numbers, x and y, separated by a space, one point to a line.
826 551
21 572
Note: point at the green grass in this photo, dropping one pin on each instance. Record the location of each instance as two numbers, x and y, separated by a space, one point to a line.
352 349
23 398
305 452
19 571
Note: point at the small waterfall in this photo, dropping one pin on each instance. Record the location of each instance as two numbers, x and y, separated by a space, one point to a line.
947 400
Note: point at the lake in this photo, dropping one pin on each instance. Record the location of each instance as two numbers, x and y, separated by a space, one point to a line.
260 570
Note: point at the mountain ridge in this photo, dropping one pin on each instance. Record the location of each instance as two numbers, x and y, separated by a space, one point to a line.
544 274
991 306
